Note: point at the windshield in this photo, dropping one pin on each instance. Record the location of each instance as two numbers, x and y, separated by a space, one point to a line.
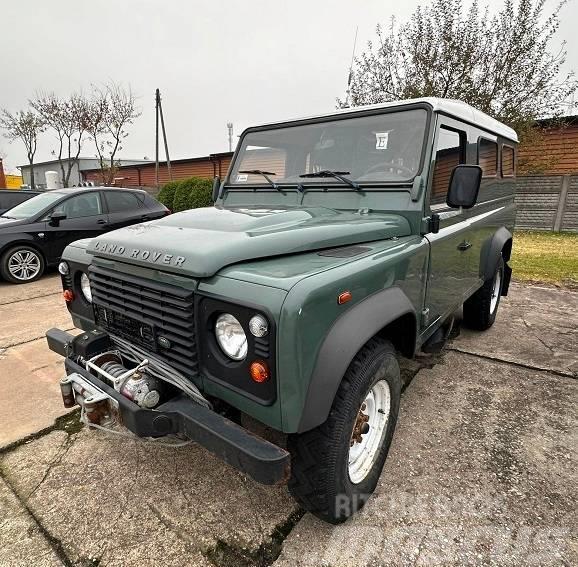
368 149
33 206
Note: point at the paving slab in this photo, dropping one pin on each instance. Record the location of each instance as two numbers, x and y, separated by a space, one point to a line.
536 326
21 540
29 376
482 471
128 502
49 284
24 321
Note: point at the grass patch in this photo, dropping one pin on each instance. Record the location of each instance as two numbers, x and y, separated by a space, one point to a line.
550 257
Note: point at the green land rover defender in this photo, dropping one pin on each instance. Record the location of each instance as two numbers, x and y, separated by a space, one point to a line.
336 244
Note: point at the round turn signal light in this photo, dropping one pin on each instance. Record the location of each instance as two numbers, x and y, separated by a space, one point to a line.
68 295
259 371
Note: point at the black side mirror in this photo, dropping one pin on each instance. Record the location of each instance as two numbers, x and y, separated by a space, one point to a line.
216 187
55 218
464 186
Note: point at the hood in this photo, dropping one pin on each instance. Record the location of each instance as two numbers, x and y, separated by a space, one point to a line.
9 223
200 242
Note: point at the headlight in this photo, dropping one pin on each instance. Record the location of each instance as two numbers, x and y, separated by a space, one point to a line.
231 337
85 287
63 268
258 326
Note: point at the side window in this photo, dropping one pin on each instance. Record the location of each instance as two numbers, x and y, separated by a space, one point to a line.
508 161
488 157
120 201
84 205
450 151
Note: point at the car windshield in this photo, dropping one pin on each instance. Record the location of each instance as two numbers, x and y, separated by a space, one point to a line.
366 149
32 206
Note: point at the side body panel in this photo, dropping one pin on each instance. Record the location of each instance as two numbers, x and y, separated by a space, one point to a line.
311 310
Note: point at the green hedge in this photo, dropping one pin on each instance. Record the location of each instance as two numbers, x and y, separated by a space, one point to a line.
191 193
167 193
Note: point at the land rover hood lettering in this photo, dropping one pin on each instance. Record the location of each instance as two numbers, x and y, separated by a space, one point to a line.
200 242
153 256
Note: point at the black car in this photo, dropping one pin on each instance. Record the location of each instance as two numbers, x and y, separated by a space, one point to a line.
34 234
10 198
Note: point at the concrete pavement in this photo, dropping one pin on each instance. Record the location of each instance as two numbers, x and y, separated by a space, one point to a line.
29 372
481 471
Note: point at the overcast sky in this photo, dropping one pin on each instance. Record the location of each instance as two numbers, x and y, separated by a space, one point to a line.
214 61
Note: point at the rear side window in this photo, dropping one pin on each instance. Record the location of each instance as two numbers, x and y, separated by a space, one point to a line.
450 151
120 201
488 157
508 161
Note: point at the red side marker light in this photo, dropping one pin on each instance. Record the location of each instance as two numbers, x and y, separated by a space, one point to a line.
259 371
344 297
68 295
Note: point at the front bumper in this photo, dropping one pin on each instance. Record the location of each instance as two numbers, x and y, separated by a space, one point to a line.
263 461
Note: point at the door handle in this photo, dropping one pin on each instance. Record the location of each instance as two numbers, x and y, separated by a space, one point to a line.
101 221
464 245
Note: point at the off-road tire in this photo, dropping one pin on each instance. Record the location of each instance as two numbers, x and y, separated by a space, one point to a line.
478 313
4 261
320 479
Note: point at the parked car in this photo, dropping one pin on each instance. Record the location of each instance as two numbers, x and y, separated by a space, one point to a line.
34 233
337 244
10 198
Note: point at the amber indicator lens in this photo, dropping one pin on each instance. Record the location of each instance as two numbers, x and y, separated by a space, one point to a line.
344 297
68 295
259 371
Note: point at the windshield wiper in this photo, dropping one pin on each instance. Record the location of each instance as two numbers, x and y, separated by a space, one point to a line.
335 174
265 174
7 217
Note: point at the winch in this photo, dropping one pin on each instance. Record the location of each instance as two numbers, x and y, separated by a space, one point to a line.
137 384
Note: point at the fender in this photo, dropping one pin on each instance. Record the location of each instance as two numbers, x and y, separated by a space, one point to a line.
490 254
344 340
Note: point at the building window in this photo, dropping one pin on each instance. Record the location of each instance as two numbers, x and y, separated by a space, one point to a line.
508 168
488 157
450 151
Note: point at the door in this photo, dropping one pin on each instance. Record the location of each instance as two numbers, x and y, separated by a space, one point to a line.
125 208
449 274
84 219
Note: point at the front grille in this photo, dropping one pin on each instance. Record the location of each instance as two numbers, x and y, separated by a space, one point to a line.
143 311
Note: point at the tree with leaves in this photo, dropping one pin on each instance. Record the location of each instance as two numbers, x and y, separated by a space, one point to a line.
502 63
24 125
68 118
112 110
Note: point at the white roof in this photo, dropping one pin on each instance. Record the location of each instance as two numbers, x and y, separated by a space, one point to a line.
455 108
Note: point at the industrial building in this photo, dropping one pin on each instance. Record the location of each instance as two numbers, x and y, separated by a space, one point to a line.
80 166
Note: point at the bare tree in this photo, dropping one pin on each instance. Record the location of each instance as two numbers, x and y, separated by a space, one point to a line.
112 110
503 64
69 119
24 125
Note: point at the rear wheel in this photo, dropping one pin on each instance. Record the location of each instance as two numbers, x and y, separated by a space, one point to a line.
336 466
22 264
481 309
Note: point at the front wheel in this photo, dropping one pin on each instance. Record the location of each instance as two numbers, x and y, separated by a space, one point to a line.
22 264
336 466
480 309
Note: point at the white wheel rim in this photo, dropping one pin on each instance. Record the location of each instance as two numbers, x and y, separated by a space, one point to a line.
362 454
24 265
496 288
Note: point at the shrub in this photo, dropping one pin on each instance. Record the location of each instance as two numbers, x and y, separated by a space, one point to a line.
201 193
192 193
181 202
167 194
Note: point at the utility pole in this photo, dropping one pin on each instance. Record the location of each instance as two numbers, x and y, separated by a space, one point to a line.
230 129
350 75
159 114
